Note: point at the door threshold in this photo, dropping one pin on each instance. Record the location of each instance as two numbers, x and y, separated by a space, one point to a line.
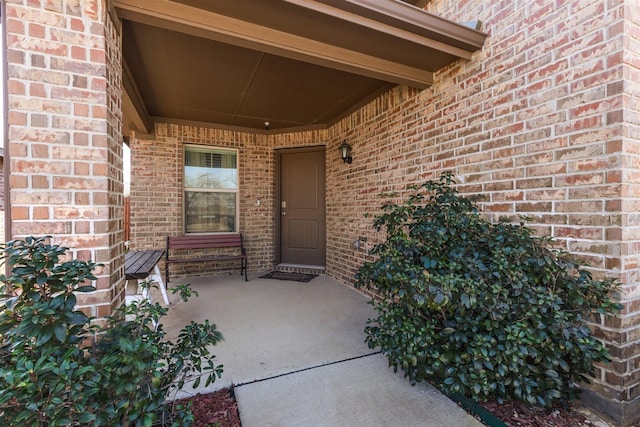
301 268
317 267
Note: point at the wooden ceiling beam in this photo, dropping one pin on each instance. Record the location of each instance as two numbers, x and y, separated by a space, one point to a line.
133 103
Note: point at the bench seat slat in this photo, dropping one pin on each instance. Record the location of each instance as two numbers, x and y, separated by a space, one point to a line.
207 237
139 264
212 241
188 245
208 258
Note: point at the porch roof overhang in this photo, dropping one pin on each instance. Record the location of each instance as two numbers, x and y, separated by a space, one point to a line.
292 63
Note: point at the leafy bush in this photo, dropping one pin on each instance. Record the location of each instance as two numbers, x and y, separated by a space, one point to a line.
59 368
486 310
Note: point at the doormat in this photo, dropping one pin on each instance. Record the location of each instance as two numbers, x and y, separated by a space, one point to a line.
285 275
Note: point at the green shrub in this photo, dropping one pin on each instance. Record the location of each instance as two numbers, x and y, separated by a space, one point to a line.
57 368
486 310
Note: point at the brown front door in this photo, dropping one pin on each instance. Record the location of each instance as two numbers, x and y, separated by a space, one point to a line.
302 207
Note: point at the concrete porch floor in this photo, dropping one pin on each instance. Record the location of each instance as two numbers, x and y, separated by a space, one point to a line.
295 355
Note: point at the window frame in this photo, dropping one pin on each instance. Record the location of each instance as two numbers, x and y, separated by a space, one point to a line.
185 189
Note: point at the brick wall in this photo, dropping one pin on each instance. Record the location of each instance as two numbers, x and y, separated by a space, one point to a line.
621 381
533 122
113 170
2 200
2 181
543 121
64 154
157 188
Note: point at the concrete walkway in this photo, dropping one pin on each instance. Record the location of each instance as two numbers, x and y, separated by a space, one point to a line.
295 355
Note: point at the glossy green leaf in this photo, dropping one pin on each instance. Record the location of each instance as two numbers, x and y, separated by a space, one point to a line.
493 305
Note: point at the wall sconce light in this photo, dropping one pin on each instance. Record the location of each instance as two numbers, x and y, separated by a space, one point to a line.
345 152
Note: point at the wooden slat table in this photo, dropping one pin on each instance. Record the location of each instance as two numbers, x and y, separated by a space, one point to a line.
138 265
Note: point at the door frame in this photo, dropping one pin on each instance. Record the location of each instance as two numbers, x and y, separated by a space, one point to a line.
278 189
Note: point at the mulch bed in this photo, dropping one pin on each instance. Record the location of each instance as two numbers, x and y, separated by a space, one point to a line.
518 414
220 409
214 409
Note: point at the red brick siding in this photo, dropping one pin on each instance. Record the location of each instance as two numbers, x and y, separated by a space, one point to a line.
64 135
2 182
2 200
543 121
157 189
157 192
113 170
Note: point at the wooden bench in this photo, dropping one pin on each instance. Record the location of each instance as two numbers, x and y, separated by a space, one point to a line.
210 241
138 265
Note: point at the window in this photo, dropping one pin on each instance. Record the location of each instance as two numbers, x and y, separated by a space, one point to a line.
210 190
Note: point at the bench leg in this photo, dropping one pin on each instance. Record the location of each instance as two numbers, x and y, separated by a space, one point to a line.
146 295
163 288
244 267
146 292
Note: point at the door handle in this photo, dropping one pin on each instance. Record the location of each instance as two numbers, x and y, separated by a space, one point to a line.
283 213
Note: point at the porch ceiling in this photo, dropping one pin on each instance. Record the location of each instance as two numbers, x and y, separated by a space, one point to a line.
292 63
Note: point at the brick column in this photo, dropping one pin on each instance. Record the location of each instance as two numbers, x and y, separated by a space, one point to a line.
616 392
64 133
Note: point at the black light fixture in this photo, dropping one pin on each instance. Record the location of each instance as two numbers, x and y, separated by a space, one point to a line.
345 152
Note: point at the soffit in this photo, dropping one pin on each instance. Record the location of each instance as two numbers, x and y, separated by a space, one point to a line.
294 63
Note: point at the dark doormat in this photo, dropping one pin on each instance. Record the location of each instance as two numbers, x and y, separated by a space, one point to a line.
285 275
